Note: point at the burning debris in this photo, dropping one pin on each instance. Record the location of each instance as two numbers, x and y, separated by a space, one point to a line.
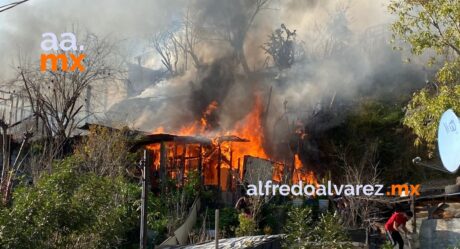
224 156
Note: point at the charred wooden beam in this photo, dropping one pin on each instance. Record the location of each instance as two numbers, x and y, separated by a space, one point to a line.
219 165
200 166
182 168
163 161
231 168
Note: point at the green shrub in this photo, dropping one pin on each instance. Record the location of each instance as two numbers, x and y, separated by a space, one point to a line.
274 217
247 226
298 228
228 221
456 246
70 209
330 232
302 232
387 245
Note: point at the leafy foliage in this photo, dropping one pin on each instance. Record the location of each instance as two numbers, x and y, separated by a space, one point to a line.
298 228
283 47
329 232
425 110
429 26
169 210
70 209
247 226
303 233
387 245
158 219
228 221
274 216
104 152
379 125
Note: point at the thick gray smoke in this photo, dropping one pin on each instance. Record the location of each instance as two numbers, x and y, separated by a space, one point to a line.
347 51
345 47
21 28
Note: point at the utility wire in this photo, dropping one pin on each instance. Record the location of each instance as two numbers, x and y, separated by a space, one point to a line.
11 5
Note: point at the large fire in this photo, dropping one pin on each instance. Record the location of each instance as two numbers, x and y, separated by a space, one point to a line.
250 128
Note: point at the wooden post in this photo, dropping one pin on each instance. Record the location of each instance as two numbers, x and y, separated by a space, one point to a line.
174 162
22 110
219 165
414 219
16 109
216 228
200 166
175 156
231 170
144 200
88 102
163 165
182 165
11 110
292 170
5 150
239 168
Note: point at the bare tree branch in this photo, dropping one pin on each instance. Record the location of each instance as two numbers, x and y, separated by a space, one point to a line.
56 96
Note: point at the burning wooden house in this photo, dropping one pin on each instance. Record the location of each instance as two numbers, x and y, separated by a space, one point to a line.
223 158
218 162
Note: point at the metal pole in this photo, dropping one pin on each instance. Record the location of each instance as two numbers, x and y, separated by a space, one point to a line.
216 228
418 161
144 199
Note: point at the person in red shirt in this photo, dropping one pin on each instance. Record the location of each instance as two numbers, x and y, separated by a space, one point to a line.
397 220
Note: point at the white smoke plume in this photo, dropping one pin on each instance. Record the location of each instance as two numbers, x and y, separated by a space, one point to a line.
345 42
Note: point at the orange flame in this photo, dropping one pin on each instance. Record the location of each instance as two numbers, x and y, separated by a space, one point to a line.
302 174
204 119
251 128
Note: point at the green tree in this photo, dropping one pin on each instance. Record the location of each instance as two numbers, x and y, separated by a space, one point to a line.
431 26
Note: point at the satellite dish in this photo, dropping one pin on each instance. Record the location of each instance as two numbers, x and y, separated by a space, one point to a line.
449 140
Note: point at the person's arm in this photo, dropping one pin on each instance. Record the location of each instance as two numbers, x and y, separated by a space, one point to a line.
396 226
404 228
